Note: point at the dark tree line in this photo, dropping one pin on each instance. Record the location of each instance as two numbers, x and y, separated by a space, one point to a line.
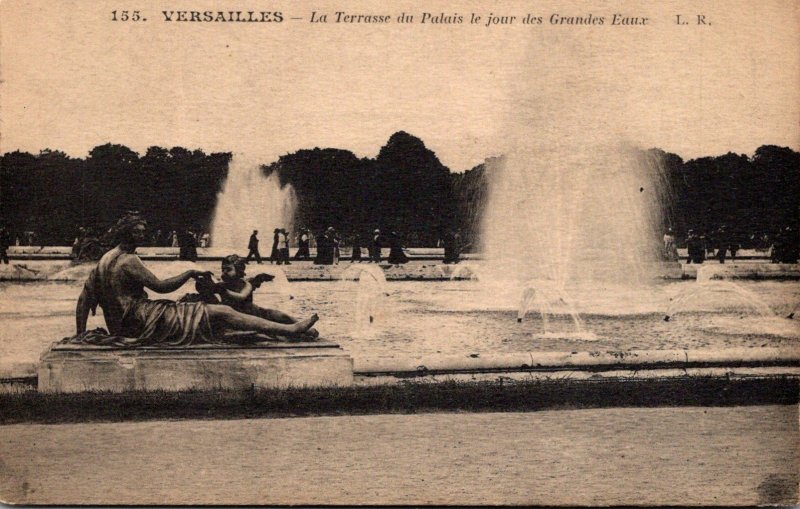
405 188
749 195
53 194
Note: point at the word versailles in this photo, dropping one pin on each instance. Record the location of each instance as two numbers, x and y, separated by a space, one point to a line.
224 16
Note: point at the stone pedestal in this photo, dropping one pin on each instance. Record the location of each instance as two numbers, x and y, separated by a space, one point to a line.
75 368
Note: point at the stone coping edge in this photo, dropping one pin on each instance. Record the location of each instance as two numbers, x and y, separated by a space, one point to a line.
62 347
583 360
533 361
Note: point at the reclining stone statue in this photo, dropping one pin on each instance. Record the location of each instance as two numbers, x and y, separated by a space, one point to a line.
118 285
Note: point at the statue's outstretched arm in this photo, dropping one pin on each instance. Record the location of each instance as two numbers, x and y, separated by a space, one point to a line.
136 269
82 312
244 294
86 302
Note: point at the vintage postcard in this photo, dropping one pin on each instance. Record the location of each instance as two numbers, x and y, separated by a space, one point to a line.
352 252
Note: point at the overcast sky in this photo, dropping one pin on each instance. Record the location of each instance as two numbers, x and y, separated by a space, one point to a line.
72 79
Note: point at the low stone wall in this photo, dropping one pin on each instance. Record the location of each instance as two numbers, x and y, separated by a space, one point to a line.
747 270
67 368
71 368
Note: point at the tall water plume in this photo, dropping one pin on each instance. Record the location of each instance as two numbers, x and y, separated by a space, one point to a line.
249 201
589 213
574 199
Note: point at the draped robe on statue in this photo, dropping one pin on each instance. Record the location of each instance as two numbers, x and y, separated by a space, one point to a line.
133 319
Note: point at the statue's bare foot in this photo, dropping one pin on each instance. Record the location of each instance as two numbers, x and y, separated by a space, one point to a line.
305 325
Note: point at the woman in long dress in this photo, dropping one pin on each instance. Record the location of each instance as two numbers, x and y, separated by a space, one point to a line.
396 254
275 255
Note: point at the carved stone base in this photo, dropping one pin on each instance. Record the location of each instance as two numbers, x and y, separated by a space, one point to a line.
74 368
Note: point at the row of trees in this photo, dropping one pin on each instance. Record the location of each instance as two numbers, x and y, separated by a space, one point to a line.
53 194
749 195
405 188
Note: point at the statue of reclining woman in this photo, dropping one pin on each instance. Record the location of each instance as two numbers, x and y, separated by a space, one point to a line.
118 285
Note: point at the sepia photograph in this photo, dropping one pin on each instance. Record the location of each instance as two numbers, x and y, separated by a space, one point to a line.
423 252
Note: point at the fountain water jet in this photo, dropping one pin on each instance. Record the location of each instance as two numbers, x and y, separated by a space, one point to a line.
356 273
250 201
541 296
563 220
708 289
279 284
465 271
574 216
369 295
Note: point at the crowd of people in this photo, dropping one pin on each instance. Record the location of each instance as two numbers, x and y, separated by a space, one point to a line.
720 244
328 247
177 238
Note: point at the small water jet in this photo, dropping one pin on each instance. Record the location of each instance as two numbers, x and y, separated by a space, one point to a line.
439 272
549 301
370 294
466 271
280 283
712 293
357 272
78 272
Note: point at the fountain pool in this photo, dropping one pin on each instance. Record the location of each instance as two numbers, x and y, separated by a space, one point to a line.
415 319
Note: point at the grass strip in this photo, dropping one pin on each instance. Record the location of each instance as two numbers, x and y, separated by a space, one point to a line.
405 398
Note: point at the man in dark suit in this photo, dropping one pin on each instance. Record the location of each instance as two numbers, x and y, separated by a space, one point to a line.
252 246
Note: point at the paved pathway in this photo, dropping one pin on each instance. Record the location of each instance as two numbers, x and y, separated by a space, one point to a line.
740 455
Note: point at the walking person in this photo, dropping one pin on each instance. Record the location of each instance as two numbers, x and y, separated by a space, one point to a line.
709 245
375 247
396 254
324 247
302 246
356 254
252 246
733 246
452 247
327 247
275 255
188 250
76 244
335 241
694 245
283 248
5 243
721 238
